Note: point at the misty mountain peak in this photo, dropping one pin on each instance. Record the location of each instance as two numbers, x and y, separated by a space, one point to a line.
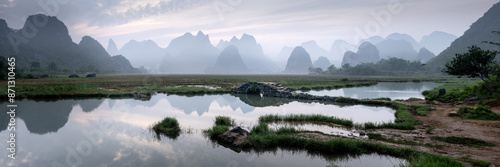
322 63
229 62
314 50
425 55
187 34
309 43
200 34
367 53
90 43
248 39
112 48
54 29
3 25
233 40
299 61
406 37
437 41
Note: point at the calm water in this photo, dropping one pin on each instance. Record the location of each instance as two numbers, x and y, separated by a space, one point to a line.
393 90
115 132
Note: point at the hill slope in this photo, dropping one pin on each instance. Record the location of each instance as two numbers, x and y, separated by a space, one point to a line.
479 31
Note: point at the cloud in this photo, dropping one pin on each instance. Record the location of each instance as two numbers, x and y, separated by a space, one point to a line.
269 20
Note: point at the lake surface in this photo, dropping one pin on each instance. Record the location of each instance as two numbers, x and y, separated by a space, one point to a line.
393 90
111 132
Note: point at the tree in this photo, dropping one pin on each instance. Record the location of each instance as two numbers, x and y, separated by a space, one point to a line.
493 43
475 63
313 70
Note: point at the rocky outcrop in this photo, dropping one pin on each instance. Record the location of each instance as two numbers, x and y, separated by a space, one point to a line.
236 137
299 61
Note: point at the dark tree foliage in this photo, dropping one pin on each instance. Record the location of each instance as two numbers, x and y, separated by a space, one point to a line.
494 43
392 66
475 63
3 67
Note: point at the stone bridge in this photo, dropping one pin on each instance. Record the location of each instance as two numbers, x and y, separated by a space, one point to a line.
271 89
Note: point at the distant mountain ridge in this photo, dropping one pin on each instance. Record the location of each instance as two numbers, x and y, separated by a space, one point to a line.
251 53
51 43
367 53
143 54
189 54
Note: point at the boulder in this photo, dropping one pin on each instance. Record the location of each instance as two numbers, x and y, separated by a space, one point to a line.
35 76
236 137
44 76
74 76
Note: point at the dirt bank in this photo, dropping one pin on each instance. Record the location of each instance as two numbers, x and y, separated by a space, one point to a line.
445 125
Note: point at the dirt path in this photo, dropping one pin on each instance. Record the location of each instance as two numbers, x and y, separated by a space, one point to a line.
445 125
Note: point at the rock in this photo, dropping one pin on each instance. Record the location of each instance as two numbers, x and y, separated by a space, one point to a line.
472 99
442 92
237 137
141 96
44 76
74 76
91 76
35 76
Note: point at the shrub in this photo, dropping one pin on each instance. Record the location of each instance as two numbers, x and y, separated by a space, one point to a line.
462 140
422 110
480 112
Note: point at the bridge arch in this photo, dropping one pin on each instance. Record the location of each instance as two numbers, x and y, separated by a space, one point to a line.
268 89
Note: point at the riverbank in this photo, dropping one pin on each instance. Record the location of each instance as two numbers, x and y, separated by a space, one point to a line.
143 86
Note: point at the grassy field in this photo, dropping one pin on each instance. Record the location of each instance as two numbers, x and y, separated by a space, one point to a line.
128 85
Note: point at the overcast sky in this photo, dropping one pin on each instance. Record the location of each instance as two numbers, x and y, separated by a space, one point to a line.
274 23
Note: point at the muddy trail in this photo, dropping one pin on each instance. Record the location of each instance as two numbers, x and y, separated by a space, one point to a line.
443 125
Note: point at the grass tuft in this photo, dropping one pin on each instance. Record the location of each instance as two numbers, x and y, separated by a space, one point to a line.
304 117
462 140
224 121
422 110
168 125
215 131
479 112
